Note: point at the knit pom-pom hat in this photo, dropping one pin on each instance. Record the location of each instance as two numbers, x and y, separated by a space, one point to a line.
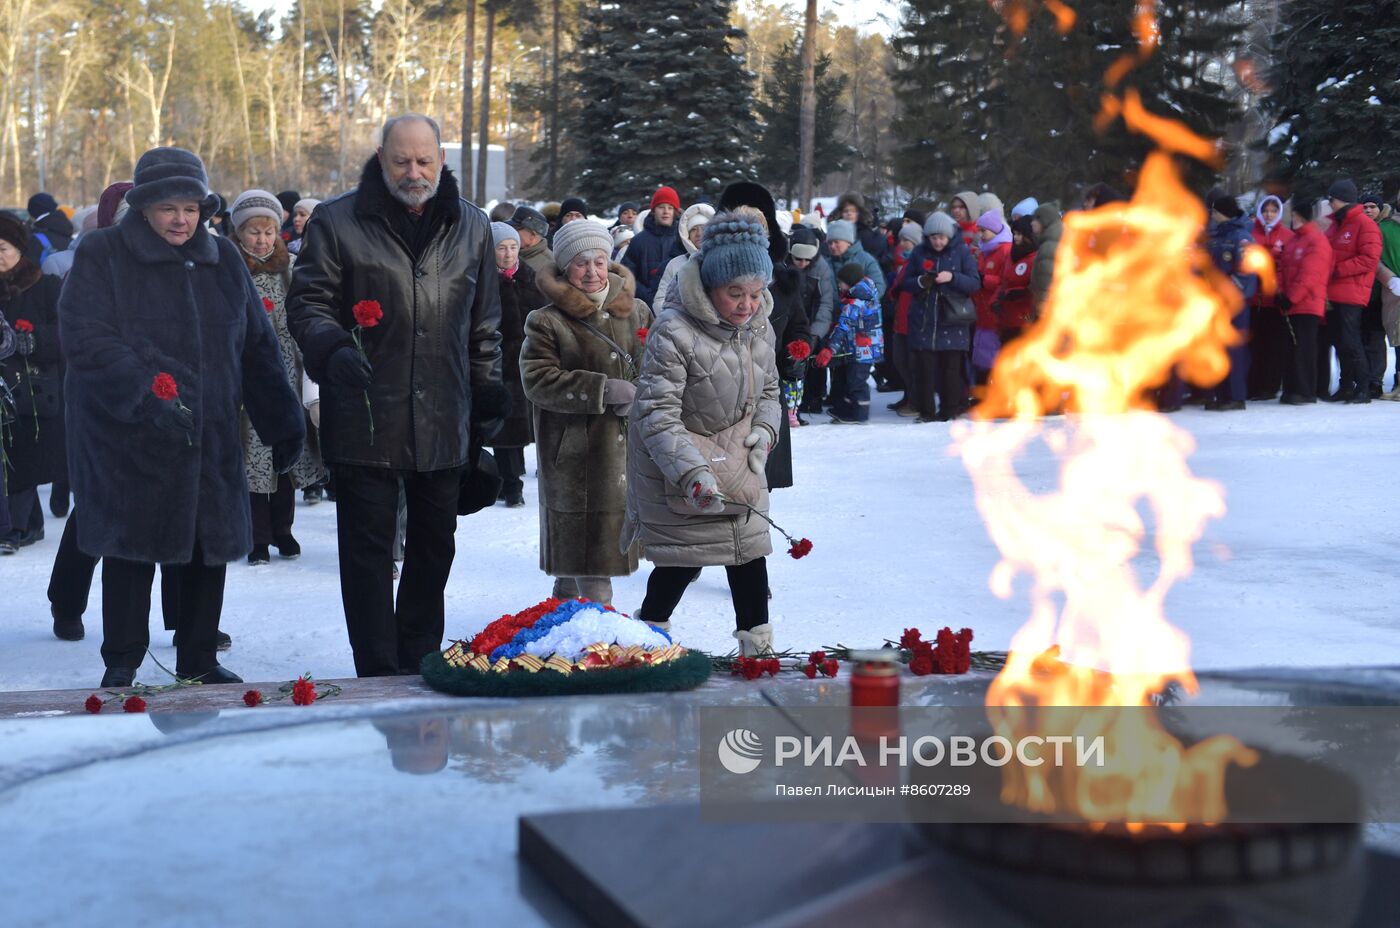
734 246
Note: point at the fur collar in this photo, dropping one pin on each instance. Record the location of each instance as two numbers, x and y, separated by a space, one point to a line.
19 278
695 302
372 198
275 263
149 248
622 292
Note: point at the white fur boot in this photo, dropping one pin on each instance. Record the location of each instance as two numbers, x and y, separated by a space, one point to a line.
755 642
660 626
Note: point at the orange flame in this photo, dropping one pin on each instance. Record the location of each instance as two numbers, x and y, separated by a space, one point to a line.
1133 299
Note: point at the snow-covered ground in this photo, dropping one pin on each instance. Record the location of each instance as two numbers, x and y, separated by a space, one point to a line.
1304 569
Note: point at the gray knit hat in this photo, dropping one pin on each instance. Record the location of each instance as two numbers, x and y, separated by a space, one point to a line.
253 203
910 232
841 230
940 223
171 174
574 238
734 246
501 232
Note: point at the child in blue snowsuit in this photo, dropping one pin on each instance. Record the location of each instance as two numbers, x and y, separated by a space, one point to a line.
856 343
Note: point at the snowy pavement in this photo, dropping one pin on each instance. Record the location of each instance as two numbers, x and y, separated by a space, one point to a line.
1303 570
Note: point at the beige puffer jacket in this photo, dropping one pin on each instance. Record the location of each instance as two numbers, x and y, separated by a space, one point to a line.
696 373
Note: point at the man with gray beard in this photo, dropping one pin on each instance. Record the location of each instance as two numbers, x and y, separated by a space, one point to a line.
395 306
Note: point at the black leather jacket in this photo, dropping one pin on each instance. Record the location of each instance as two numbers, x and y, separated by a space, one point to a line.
439 340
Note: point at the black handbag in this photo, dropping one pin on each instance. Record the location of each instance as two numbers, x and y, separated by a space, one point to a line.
956 309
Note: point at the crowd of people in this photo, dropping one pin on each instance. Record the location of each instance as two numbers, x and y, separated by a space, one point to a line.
187 364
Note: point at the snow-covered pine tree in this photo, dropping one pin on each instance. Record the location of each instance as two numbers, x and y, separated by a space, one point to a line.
660 97
1335 92
779 112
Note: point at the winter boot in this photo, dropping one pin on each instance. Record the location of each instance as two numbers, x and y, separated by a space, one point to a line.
755 642
287 547
259 556
118 677
65 627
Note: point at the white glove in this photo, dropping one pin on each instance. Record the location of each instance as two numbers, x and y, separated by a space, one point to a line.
703 492
759 444
1394 285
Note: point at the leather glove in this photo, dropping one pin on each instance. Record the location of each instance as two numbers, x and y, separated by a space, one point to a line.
170 415
348 369
760 444
1394 285
285 455
703 493
824 357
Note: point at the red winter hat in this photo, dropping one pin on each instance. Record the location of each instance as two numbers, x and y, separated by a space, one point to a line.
665 195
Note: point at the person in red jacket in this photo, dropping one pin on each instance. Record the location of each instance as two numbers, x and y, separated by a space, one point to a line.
1269 344
1015 305
1303 273
995 252
1356 252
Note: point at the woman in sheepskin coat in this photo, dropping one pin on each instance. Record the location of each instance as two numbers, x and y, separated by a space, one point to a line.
709 367
579 365
160 477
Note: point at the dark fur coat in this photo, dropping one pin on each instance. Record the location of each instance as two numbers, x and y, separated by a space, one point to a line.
133 307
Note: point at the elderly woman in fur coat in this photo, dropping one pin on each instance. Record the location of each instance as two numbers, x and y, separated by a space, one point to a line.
272 496
709 380
579 365
166 340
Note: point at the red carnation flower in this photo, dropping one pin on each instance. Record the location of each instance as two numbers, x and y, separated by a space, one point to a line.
93 704
367 313
252 698
799 350
800 549
830 666
134 704
751 668
268 305
911 638
24 325
303 692
928 265
817 657
811 671
286 236
164 387
642 334
772 666
922 664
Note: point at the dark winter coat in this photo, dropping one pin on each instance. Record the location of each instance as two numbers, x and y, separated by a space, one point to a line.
133 307
788 323
928 332
648 254
1227 243
519 296
1303 275
438 343
582 444
1356 253
36 381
